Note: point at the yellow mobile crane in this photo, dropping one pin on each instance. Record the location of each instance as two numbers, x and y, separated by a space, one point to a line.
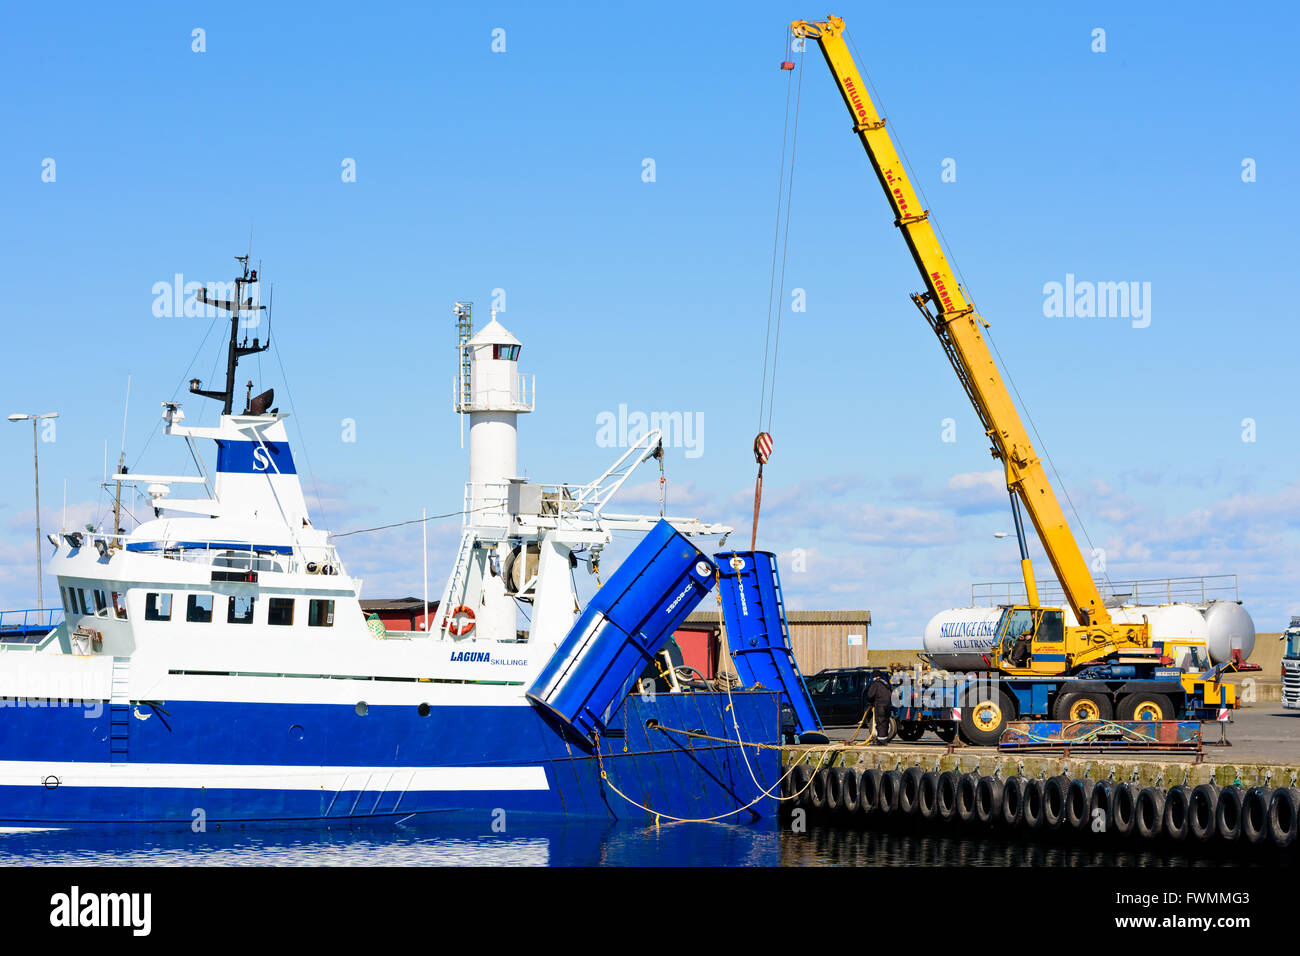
1053 648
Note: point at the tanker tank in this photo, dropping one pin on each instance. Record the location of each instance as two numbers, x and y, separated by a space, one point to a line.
959 639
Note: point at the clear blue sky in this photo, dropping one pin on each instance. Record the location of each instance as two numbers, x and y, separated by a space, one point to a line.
522 171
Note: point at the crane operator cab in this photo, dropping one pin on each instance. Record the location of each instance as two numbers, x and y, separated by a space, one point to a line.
1031 640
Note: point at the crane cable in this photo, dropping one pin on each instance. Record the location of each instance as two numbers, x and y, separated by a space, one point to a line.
775 288
988 334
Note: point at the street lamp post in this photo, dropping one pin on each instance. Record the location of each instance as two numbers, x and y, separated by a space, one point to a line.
36 460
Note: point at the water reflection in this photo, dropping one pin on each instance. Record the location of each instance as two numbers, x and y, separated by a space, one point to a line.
578 844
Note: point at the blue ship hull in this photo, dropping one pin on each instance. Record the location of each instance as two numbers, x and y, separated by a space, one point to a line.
390 763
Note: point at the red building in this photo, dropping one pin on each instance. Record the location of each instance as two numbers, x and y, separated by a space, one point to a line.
402 614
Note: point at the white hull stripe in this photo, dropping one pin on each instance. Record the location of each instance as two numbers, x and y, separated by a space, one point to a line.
186 776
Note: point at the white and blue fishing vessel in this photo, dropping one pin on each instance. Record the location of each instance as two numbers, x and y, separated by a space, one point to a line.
214 662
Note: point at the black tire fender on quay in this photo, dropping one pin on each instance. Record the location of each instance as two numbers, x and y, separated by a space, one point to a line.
1284 817
988 801
817 792
1121 814
1176 817
868 792
1013 802
966 794
799 777
1150 812
927 797
1227 814
1032 813
1099 800
842 790
1202 813
1056 791
947 796
891 781
1078 804
1254 815
909 791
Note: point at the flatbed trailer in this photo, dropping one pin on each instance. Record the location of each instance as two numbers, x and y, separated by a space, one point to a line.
979 706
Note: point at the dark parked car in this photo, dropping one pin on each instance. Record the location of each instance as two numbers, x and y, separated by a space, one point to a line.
840 694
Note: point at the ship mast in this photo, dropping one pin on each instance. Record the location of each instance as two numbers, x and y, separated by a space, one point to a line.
236 349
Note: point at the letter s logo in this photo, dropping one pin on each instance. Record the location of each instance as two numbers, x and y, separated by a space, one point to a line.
261 461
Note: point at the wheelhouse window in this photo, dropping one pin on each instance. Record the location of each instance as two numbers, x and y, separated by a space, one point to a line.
279 612
119 605
320 614
239 609
508 352
157 607
69 599
101 603
81 597
198 609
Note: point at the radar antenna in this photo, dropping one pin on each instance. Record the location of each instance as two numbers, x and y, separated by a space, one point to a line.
238 305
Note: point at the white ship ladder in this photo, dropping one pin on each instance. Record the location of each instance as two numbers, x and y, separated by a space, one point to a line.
119 711
457 582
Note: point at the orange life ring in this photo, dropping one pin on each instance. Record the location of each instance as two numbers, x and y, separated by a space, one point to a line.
461 622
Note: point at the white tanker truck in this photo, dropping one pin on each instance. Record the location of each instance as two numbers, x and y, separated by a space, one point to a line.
959 639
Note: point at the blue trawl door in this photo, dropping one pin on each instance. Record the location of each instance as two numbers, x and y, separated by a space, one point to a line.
627 622
757 634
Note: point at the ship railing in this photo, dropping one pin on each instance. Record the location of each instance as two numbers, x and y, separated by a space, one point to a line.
28 625
1199 589
518 396
304 559
492 504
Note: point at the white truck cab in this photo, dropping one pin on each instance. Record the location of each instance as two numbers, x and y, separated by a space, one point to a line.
1291 665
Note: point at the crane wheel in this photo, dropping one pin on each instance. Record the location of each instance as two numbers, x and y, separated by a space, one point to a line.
982 724
910 730
1083 706
1202 810
1227 815
1145 707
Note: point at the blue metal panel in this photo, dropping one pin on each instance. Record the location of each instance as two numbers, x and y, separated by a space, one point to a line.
659 763
254 458
757 632
626 623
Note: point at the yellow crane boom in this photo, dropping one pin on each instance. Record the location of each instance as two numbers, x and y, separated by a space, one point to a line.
960 330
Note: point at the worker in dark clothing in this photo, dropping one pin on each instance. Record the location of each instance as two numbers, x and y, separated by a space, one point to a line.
1020 651
878 699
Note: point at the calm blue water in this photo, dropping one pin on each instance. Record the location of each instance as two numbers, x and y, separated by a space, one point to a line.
562 844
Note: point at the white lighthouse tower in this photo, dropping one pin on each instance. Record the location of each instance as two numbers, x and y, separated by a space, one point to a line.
493 394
